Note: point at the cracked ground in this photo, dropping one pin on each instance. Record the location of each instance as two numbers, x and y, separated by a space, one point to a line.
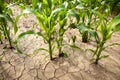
37 66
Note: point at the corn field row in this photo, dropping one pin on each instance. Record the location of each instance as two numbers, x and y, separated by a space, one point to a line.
92 19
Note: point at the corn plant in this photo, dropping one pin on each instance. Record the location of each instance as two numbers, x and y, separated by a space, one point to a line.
63 15
87 19
47 15
66 12
62 22
5 13
106 31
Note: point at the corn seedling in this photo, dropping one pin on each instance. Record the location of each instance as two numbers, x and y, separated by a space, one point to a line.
63 17
106 31
5 13
65 14
87 19
47 15
62 23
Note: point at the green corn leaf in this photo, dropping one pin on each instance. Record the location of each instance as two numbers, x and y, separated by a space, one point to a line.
101 29
80 7
109 35
104 56
57 11
18 17
73 46
25 33
15 27
50 3
51 26
65 4
113 44
34 3
39 49
94 34
52 29
62 23
15 23
117 28
19 51
113 23
74 14
9 11
113 26
2 4
91 50
61 32
82 27
42 19
6 17
40 34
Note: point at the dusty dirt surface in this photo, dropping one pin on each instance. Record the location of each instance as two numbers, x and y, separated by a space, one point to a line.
77 66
